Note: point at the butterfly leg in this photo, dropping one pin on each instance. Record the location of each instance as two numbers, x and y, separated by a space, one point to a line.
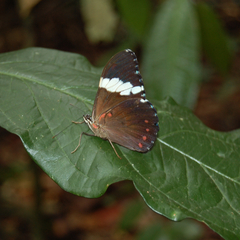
80 140
77 122
114 148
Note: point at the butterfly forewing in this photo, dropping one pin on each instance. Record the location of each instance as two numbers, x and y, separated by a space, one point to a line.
120 80
123 65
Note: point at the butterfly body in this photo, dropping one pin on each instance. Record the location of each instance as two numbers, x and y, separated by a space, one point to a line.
121 113
96 127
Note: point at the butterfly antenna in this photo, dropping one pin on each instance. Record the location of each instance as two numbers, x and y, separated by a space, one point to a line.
61 131
67 127
114 148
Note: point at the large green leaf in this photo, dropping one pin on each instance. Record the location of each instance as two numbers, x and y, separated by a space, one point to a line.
171 58
192 171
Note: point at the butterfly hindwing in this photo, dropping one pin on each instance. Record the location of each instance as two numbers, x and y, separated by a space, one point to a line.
135 127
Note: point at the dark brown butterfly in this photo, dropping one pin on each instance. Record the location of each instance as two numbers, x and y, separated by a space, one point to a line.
121 113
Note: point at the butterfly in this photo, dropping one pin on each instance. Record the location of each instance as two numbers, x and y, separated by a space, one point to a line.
121 112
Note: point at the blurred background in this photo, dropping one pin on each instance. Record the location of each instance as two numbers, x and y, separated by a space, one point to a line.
32 206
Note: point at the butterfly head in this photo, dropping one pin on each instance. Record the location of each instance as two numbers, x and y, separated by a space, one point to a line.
88 119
